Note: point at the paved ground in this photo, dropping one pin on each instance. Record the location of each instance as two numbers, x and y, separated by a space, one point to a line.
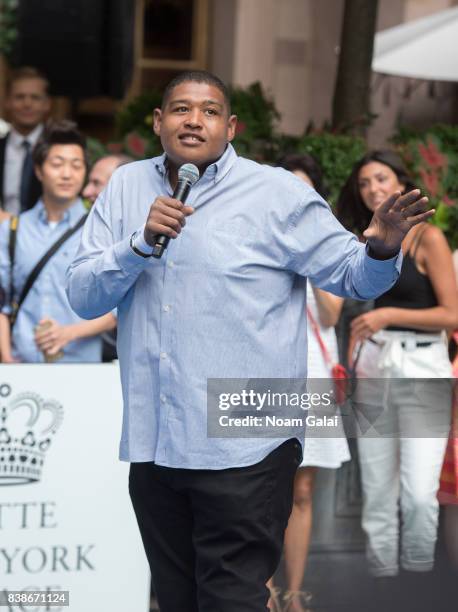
340 583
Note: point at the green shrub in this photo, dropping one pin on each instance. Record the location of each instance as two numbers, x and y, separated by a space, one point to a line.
8 25
431 156
258 117
336 154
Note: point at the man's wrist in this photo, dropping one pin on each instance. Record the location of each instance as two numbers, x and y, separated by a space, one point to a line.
139 245
379 256
71 333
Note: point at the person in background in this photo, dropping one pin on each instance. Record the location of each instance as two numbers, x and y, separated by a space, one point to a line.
318 452
101 172
99 176
46 327
27 104
402 338
448 492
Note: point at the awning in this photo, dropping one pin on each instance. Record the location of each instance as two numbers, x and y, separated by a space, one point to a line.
426 48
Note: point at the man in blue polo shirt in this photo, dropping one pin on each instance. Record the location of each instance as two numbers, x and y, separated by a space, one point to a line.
46 327
225 301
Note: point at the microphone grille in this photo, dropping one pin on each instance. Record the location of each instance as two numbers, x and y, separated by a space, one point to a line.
188 172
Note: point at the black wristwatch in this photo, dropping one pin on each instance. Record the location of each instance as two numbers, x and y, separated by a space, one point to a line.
137 251
373 255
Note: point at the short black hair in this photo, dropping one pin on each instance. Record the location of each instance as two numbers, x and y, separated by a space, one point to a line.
61 132
307 164
197 76
350 209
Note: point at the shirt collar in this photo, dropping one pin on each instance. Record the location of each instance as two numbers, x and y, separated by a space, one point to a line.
71 216
17 139
217 170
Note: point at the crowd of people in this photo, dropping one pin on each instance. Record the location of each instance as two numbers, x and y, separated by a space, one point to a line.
44 180
43 171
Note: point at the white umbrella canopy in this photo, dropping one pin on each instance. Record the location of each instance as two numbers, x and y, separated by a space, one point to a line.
426 48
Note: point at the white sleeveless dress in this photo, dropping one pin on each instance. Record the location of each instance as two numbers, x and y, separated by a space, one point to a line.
322 452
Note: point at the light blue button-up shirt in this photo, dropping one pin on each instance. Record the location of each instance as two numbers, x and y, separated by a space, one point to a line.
225 301
47 297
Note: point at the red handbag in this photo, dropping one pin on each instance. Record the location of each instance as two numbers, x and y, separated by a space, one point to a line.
338 371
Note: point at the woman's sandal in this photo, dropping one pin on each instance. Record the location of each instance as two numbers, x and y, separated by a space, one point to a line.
303 597
274 601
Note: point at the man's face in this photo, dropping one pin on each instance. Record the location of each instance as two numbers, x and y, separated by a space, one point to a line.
62 173
27 104
194 126
99 177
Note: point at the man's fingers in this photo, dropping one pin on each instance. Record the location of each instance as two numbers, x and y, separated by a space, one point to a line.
52 350
417 207
43 334
174 213
166 202
45 345
166 211
42 338
166 216
162 229
420 218
169 202
45 340
174 224
388 204
406 200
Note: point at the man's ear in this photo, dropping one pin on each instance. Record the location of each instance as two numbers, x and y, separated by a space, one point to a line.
231 127
38 173
157 121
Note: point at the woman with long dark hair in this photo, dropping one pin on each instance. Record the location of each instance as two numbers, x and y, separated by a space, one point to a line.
403 339
323 311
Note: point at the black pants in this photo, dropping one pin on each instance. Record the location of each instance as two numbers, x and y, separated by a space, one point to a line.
214 537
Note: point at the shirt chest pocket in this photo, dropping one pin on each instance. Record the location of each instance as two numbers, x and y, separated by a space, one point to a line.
230 244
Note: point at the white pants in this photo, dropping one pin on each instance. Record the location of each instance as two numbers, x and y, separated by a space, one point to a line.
400 467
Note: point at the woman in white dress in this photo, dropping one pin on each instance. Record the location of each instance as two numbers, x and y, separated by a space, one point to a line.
318 452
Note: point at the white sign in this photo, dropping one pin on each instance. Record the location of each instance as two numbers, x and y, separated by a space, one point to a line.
66 520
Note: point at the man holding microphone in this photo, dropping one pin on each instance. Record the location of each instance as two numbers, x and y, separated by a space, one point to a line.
226 300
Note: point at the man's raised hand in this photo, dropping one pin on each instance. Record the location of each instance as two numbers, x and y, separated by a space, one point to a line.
393 219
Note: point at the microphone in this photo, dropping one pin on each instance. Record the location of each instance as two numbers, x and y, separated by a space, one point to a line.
188 174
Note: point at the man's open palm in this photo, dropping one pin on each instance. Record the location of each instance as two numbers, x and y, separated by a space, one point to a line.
393 219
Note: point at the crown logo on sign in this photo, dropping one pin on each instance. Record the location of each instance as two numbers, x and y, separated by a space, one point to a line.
27 426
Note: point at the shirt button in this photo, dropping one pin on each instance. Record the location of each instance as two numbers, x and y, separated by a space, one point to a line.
163 399
166 308
170 264
163 355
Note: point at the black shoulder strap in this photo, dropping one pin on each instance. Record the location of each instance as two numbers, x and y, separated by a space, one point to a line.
40 265
3 142
416 241
14 224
